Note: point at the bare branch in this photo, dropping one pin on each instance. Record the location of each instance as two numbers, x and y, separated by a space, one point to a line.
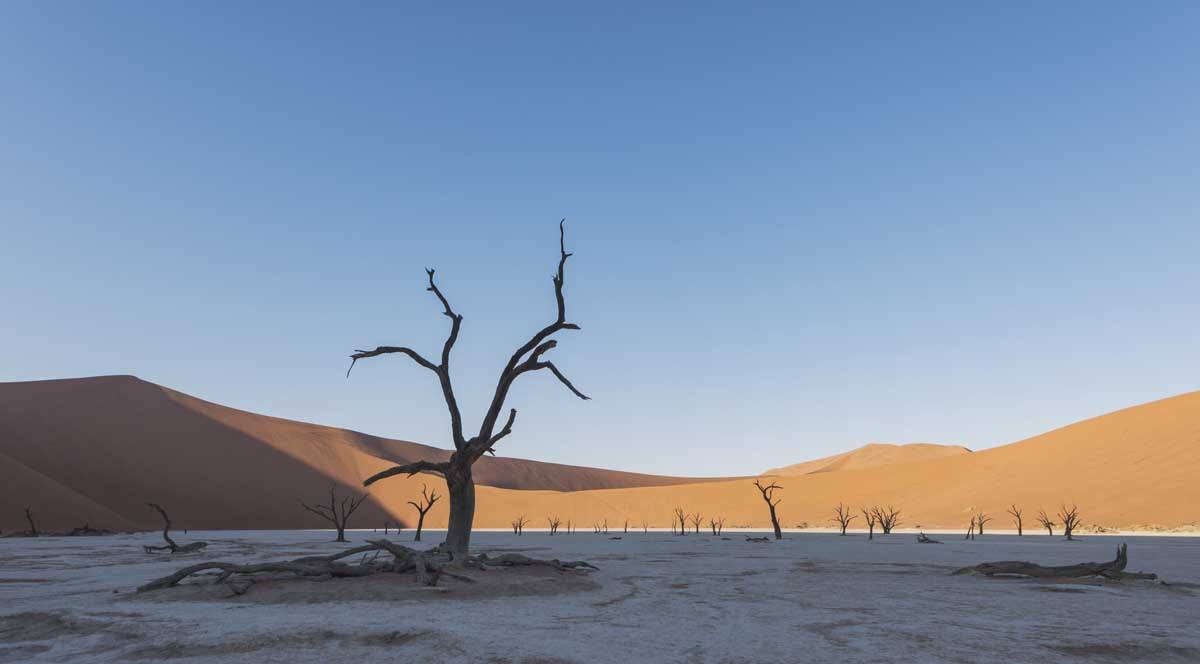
385 350
317 510
409 469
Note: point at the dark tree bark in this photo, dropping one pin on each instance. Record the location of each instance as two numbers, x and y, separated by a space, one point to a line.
981 519
33 531
887 518
1016 513
842 515
971 529
1070 520
768 495
869 516
1114 569
526 359
553 524
518 525
428 498
170 545
1044 519
335 513
717 525
681 517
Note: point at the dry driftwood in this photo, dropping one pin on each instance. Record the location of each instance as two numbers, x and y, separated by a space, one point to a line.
925 539
1114 569
427 566
171 545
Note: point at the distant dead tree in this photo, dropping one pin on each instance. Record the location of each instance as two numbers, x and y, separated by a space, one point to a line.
570 527
645 526
33 531
1070 520
605 526
1016 514
887 518
971 529
171 545
335 513
681 517
596 527
980 519
428 498
1044 519
696 521
626 525
386 527
518 525
528 358
768 495
717 524
843 515
553 524
870 518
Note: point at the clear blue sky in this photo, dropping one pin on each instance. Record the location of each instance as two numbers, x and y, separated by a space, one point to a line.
797 228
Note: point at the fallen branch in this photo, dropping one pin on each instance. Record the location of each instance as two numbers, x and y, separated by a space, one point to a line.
1114 569
427 566
925 539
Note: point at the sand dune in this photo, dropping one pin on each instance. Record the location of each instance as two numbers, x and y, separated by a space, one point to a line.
871 456
98 448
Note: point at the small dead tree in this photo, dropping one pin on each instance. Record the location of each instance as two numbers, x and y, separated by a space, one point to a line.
1070 520
768 495
887 518
869 516
33 531
605 526
842 515
681 517
570 527
335 513
1016 514
553 524
971 529
519 524
468 447
626 525
596 527
980 519
717 524
428 498
170 545
696 521
1046 522
645 526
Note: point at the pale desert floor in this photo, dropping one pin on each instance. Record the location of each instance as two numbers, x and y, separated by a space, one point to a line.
812 597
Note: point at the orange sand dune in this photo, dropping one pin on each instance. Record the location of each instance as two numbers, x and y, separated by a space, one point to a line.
870 456
99 448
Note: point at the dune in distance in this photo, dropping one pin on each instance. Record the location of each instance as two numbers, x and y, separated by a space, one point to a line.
97 449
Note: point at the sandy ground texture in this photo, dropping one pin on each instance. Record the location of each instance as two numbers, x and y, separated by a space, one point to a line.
657 597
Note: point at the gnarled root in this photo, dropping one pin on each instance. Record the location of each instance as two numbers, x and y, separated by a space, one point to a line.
1114 569
427 566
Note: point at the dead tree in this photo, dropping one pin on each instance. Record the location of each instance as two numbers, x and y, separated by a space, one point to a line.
428 498
887 518
553 524
626 525
519 524
335 513
33 531
596 527
1044 519
842 515
467 450
1114 569
1016 514
171 545
980 519
696 521
971 529
570 527
645 526
1070 520
717 525
870 518
605 526
681 517
768 495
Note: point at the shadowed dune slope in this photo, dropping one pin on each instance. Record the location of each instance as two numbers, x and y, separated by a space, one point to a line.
871 456
99 448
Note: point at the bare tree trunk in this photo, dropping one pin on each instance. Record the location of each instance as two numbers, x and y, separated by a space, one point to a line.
462 509
420 525
33 531
775 523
